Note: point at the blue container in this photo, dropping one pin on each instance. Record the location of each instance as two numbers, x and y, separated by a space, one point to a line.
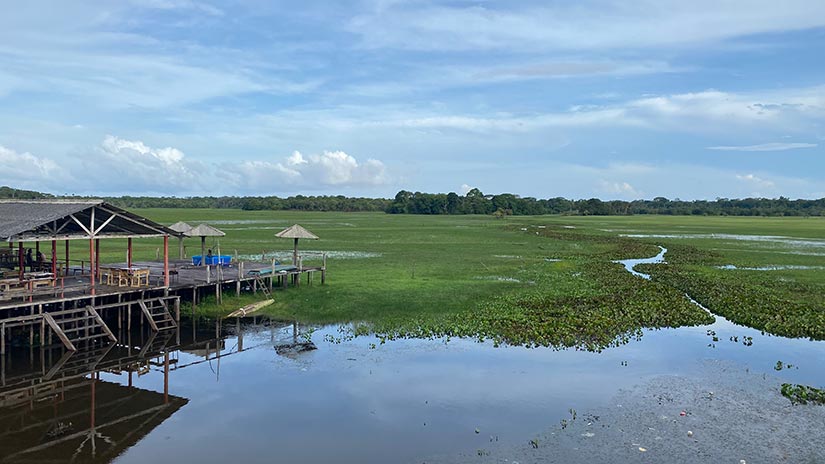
223 260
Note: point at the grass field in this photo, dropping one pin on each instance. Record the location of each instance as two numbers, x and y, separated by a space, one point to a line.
546 280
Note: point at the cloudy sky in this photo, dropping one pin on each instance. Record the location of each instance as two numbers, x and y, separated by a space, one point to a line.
609 99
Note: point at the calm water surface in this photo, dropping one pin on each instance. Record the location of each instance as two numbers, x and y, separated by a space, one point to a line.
348 401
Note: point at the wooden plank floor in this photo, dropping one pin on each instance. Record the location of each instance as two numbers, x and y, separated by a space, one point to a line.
183 275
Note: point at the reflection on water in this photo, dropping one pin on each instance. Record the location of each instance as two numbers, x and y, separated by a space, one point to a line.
223 393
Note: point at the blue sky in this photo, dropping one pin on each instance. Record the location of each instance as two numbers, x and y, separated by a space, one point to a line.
605 99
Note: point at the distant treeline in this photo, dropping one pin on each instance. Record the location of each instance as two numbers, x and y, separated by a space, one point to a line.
8 192
296 203
474 202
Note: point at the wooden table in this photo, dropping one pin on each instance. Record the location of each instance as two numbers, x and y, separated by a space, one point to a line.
126 276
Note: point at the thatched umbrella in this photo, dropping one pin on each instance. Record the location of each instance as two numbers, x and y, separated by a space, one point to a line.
295 232
183 228
204 231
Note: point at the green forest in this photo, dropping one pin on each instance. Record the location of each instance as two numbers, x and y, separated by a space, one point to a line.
474 202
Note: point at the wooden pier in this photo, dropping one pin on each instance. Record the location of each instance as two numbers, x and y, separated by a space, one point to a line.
82 303
68 313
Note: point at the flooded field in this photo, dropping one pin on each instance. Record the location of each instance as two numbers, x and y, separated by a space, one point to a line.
236 399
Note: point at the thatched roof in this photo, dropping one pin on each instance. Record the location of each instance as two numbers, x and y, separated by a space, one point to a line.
181 227
296 231
204 230
25 220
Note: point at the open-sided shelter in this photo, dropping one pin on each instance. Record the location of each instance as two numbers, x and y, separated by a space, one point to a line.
183 228
203 231
296 232
53 220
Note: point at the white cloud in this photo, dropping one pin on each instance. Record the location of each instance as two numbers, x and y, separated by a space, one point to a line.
705 111
318 171
465 188
756 181
776 146
27 171
122 165
620 189
589 25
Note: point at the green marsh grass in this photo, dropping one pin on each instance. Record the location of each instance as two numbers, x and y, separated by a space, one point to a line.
546 280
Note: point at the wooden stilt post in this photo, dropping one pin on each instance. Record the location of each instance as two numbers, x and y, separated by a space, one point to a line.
67 258
129 252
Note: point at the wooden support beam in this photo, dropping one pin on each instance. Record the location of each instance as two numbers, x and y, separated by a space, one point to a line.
60 334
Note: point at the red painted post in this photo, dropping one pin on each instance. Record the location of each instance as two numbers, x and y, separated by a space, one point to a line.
54 258
129 252
96 274
92 272
165 260
166 377
92 418
21 261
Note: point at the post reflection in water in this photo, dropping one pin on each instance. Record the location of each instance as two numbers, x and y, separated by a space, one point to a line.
64 412
83 406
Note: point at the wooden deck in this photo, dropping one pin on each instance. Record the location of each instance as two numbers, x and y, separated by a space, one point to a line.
184 280
73 311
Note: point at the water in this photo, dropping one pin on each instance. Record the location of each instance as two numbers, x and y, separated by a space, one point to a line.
351 402
229 396
630 264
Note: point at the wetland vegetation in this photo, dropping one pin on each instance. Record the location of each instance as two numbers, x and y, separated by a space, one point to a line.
539 280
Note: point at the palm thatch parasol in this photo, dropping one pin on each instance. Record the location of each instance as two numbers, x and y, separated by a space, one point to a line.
296 232
203 231
183 228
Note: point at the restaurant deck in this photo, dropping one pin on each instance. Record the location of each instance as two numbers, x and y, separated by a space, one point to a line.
79 301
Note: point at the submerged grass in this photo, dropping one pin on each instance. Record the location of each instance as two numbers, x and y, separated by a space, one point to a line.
533 281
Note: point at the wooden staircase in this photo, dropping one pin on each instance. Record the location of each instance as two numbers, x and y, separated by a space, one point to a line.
263 286
156 312
73 326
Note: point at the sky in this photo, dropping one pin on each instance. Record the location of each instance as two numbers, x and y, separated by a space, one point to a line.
608 99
